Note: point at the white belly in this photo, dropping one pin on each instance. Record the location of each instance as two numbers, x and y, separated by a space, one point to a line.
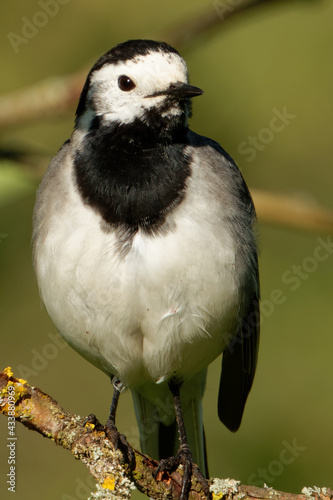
169 306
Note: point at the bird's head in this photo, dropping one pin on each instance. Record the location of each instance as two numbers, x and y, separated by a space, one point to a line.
140 81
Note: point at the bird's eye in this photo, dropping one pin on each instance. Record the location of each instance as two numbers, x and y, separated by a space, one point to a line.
125 83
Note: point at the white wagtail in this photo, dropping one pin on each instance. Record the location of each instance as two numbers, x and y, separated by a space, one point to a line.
145 252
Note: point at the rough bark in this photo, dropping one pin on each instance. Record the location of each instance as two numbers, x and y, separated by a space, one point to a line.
90 443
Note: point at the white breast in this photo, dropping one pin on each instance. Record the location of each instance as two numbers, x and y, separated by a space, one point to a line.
168 306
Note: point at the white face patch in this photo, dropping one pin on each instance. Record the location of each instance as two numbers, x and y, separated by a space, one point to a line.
151 73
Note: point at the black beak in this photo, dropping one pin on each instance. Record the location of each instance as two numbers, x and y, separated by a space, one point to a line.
179 90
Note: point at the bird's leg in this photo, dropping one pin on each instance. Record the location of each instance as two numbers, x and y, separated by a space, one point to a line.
119 440
117 389
184 455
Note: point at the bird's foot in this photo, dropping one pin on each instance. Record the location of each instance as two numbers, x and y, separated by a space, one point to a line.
120 443
184 458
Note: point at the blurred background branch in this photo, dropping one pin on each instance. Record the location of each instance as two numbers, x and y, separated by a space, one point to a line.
54 96
292 211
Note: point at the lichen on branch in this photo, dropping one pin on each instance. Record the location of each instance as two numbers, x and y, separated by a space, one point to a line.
90 443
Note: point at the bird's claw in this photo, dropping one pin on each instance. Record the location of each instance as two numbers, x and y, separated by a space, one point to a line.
184 458
120 443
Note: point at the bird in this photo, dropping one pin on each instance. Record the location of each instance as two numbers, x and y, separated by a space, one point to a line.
145 251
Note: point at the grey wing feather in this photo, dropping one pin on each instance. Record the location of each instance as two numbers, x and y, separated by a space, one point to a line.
240 357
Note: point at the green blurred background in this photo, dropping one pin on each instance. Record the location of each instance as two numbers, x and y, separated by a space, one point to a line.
271 58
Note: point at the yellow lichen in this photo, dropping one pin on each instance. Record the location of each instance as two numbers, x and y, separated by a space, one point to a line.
8 371
19 391
109 483
217 496
90 425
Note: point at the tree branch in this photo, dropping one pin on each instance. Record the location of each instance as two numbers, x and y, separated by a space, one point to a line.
43 100
292 211
55 96
89 443
212 19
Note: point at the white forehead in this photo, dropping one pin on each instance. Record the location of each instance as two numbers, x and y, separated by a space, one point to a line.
151 71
